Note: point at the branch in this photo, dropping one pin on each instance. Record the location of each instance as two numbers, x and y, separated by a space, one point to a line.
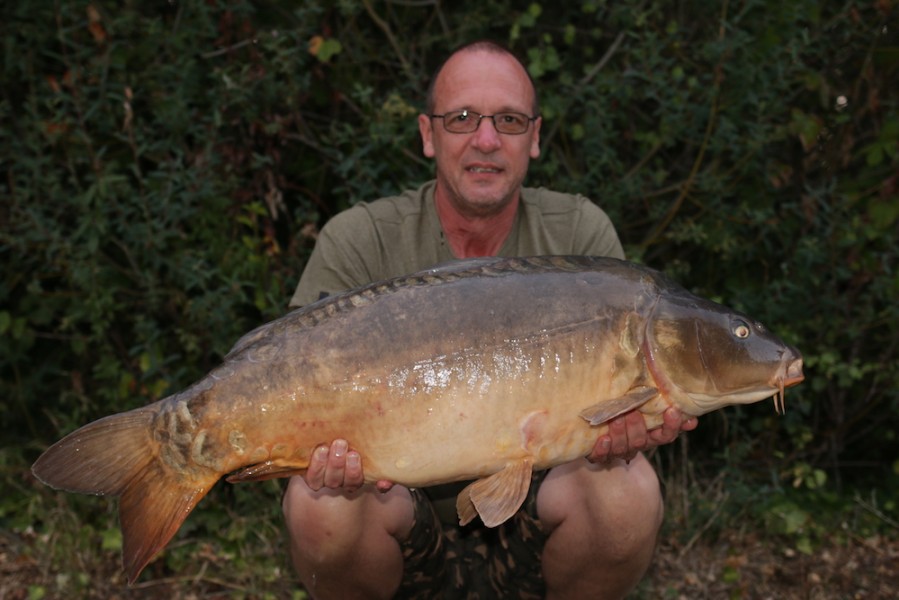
697 163
576 93
385 27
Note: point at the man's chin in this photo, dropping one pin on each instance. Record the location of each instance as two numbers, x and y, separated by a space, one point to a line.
486 204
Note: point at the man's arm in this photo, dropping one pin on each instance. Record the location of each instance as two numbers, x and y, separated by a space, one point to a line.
340 259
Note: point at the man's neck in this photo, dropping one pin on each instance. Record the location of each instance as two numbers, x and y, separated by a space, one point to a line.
475 235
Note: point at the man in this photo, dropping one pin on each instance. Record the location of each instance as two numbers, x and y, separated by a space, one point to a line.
588 528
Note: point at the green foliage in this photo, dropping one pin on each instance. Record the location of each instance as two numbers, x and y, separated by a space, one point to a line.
166 166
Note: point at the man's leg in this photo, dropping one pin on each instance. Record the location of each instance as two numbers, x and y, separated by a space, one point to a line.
602 522
347 544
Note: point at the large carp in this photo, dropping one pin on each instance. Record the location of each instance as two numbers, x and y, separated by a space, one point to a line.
478 370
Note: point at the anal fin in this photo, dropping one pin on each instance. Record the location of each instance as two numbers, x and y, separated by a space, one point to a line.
497 497
269 469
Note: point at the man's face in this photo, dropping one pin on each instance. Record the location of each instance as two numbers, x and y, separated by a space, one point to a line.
480 172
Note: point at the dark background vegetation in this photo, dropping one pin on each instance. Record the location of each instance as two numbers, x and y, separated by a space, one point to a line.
166 165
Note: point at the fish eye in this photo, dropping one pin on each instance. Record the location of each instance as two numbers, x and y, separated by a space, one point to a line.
741 330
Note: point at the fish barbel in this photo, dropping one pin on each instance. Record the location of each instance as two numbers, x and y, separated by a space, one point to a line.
484 370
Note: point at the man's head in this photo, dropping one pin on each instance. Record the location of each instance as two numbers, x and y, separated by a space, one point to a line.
480 172
487 46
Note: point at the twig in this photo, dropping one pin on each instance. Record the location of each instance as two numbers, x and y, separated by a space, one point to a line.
194 580
874 511
227 49
697 162
594 71
385 27
688 184
706 526
414 3
576 93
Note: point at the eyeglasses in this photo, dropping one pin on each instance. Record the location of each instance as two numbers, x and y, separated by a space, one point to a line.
467 121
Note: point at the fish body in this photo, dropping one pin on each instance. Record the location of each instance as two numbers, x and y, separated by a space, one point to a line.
480 370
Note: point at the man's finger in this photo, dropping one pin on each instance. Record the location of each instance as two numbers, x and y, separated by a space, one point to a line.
352 475
636 433
618 434
315 473
334 471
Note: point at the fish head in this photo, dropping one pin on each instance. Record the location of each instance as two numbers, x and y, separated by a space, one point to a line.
708 356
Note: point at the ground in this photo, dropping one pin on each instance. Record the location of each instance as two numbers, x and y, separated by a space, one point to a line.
741 568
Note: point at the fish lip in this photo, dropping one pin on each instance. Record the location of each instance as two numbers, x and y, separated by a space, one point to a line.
789 381
792 374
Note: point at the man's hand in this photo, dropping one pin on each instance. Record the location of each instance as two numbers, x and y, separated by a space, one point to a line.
337 467
627 435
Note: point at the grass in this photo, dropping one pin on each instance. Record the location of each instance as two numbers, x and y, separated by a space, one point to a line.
59 545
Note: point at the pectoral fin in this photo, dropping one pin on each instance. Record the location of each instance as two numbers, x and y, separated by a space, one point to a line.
269 469
607 409
497 497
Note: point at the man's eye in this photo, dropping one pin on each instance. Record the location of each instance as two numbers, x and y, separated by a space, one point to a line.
513 118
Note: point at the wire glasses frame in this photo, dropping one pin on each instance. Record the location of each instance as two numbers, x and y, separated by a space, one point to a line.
468 121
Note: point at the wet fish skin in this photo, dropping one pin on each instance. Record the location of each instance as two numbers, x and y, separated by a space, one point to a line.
483 369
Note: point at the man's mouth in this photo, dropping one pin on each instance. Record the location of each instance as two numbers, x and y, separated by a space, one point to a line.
484 169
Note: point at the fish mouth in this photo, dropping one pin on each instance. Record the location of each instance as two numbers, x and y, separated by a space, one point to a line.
791 375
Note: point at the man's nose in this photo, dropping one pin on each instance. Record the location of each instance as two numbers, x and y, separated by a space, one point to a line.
486 137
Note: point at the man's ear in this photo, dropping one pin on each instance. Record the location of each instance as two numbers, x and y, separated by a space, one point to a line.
426 130
535 141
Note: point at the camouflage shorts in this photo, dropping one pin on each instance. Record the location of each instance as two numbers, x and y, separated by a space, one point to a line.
474 562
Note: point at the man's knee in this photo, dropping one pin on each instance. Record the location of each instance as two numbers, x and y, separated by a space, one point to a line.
603 525
332 519
622 492
634 489
630 517
347 544
313 527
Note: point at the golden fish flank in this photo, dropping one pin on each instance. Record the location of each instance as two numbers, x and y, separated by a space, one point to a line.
484 369
477 372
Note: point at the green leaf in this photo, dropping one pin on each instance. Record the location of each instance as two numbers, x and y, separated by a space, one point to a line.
36 592
329 48
804 545
112 539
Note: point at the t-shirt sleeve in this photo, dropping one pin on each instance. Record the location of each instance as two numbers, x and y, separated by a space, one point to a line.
338 262
594 233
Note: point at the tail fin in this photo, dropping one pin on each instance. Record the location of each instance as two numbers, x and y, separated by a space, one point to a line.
117 456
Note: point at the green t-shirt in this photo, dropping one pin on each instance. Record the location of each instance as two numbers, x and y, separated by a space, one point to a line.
402 234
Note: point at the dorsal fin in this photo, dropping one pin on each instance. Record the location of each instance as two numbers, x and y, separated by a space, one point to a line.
460 264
